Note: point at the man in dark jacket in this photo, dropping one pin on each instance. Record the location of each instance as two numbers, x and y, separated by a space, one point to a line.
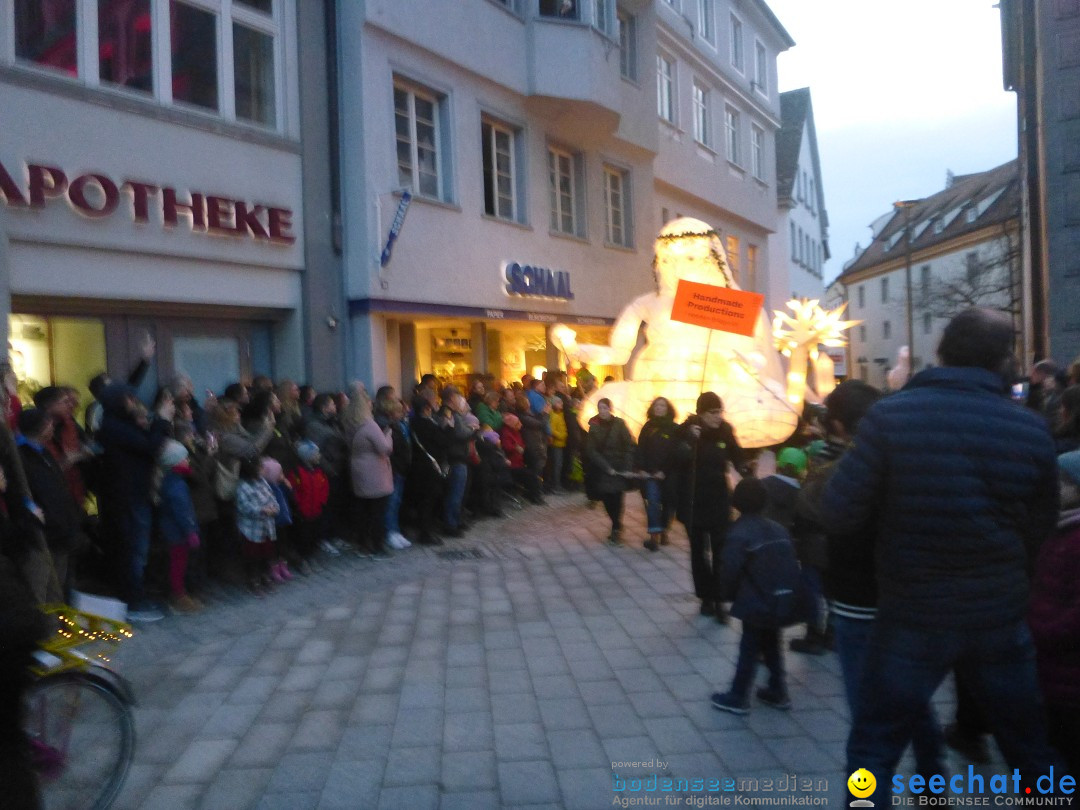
957 486
707 446
63 519
130 440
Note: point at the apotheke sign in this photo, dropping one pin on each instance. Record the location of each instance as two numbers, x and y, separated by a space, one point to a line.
97 196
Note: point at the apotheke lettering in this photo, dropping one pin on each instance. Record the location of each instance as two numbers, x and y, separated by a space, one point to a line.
97 196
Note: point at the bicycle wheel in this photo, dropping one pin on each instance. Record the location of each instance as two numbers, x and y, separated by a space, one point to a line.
82 737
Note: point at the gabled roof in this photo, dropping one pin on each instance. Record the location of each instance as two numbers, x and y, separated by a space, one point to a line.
797 116
992 197
794 106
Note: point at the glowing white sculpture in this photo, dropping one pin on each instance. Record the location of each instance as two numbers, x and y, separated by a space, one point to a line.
680 360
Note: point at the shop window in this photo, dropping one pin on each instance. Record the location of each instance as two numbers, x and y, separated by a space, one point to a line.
55 351
211 362
194 55
253 75
46 34
125 51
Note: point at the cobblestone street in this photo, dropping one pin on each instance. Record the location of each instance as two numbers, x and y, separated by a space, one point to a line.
511 668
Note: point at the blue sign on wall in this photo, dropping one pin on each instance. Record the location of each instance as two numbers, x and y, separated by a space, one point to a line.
537 282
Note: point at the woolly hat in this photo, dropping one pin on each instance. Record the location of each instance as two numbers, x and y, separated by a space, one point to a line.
307 451
47 396
271 470
792 457
709 401
1069 464
172 453
512 422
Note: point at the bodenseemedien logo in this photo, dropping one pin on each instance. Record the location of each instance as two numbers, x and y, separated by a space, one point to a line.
861 784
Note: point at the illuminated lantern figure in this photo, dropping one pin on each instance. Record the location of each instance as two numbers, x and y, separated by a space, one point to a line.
680 360
798 336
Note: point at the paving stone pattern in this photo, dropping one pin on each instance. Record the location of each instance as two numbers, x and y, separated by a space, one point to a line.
513 675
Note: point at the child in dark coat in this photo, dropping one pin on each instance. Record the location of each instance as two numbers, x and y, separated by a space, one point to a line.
755 551
177 523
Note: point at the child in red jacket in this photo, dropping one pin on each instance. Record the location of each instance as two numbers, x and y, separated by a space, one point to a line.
311 490
514 447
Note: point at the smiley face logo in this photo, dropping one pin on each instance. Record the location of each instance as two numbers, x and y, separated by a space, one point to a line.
861 783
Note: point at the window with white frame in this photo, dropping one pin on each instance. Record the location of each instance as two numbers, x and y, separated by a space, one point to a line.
736 43
665 88
419 140
220 56
757 151
731 129
563 185
617 203
498 151
702 128
751 267
627 45
706 26
564 9
602 15
732 247
761 68
794 243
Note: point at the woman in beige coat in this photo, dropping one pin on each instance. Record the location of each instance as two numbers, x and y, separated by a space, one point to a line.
372 476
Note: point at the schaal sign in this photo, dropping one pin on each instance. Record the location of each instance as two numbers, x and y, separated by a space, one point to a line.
537 282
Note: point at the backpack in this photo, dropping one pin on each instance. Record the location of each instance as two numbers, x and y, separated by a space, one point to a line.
773 570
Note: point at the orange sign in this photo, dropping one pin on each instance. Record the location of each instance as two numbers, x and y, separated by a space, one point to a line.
717 307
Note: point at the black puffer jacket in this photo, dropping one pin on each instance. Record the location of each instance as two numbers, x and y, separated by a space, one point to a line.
129 451
959 487
704 499
610 449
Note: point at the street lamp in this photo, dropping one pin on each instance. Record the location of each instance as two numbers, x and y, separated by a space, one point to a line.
906 206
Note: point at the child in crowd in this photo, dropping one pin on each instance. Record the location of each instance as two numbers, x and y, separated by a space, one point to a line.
558 442
273 475
177 522
513 445
311 490
760 574
256 509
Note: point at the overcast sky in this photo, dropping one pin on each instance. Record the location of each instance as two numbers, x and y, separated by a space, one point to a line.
902 92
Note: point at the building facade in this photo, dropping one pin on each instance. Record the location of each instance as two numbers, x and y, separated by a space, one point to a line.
1041 59
150 172
800 247
491 192
930 259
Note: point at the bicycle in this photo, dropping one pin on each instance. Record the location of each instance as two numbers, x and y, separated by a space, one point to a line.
78 713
